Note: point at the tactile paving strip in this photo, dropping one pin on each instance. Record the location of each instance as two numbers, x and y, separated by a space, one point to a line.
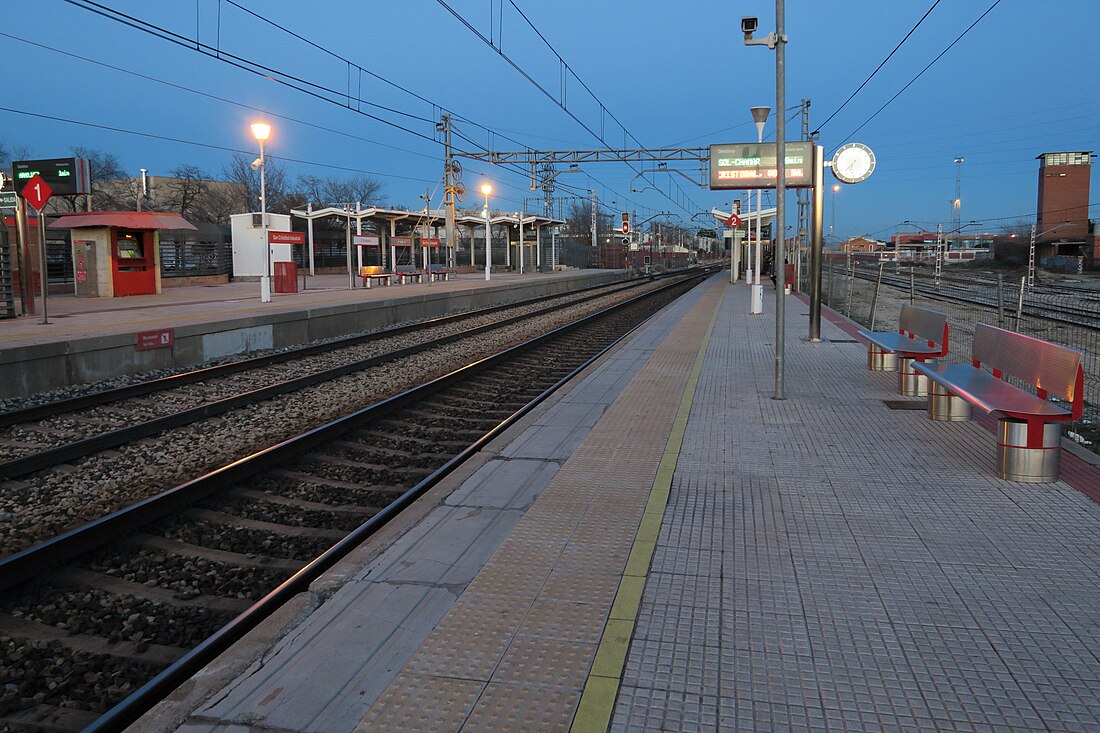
561 566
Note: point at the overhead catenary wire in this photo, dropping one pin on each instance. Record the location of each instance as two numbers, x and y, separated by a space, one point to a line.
314 89
921 72
214 97
560 103
210 146
877 68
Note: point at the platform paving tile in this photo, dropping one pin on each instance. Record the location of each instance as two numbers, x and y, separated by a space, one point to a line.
327 672
849 567
563 561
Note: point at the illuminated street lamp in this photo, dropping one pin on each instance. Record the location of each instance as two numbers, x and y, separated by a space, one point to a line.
262 131
756 290
487 189
832 224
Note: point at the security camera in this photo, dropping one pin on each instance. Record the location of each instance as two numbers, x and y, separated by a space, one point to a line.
257 163
748 26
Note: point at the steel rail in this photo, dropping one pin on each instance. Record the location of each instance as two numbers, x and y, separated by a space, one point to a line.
38 559
49 457
83 402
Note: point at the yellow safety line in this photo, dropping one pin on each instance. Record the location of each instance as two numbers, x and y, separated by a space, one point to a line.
602 687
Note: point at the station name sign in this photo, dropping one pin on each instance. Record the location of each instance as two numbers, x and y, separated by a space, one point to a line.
66 176
753 165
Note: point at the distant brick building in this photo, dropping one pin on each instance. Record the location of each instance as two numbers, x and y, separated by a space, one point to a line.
1062 222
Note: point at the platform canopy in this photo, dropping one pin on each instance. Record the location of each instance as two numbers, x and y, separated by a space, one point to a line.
766 216
434 218
528 220
121 219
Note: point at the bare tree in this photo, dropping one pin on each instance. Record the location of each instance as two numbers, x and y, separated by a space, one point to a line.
186 187
8 155
240 170
329 191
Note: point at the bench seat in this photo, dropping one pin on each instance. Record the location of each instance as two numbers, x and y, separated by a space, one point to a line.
1028 424
899 343
922 334
991 394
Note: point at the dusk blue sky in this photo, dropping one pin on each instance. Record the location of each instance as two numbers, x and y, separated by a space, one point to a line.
1021 82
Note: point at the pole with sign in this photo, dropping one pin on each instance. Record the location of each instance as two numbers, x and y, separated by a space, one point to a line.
36 193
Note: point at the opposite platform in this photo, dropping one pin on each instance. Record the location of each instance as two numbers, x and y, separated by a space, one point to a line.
93 339
824 563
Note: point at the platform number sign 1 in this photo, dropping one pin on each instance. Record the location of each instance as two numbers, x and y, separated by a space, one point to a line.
37 192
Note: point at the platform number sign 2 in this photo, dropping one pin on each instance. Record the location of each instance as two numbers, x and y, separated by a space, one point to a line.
37 192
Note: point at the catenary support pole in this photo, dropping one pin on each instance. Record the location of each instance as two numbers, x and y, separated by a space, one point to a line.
779 256
816 221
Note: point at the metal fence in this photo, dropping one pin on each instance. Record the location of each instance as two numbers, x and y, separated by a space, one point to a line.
1066 313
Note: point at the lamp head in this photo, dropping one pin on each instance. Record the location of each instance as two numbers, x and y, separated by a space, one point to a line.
486 189
257 164
261 131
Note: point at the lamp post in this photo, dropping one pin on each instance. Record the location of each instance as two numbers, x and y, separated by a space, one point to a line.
487 189
262 131
759 116
832 223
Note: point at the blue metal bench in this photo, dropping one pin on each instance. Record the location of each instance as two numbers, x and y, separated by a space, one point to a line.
1028 433
407 272
922 334
438 272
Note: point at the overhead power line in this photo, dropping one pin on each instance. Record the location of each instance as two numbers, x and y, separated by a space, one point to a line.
877 68
214 97
921 73
560 102
210 146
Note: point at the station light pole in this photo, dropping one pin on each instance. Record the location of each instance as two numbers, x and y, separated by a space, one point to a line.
832 223
487 189
777 41
756 290
262 131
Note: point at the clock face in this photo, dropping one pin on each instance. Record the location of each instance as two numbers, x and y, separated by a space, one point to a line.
853 163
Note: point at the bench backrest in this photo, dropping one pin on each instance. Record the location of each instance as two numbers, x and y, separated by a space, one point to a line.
1050 368
366 270
925 324
435 267
405 268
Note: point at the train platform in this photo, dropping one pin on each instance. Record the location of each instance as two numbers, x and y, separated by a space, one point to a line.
664 546
91 339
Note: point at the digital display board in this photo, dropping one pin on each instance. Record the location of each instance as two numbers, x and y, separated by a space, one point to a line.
753 165
66 176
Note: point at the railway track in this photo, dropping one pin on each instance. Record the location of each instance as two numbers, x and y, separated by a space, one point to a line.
1077 307
115 454
89 621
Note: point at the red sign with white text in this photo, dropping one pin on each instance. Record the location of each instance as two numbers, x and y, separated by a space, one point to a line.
286 237
161 339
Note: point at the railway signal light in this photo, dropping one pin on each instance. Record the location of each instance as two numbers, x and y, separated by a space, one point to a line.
626 222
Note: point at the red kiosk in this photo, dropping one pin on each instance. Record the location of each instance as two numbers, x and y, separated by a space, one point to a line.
117 253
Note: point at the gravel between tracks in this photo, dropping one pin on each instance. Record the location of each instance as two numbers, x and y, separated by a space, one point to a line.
46 504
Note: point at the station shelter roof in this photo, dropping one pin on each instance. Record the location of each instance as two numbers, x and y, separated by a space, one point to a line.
121 219
434 217
512 219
